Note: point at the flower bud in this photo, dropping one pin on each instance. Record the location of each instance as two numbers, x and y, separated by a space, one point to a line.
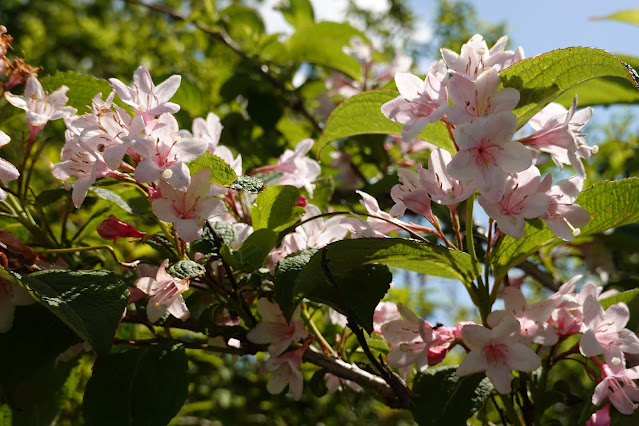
112 229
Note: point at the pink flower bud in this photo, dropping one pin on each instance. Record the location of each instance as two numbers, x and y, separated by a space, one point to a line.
302 201
112 229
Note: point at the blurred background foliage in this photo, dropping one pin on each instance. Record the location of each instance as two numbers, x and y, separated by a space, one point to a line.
262 118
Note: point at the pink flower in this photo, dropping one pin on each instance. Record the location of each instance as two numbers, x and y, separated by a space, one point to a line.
40 106
147 99
188 211
497 352
166 294
442 188
605 332
411 194
7 170
112 229
209 129
563 216
520 200
486 151
600 417
420 102
532 318
479 98
334 383
274 329
287 372
619 388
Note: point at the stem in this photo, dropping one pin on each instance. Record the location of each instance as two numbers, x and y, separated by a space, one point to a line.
92 248
318 335
510 409
454 217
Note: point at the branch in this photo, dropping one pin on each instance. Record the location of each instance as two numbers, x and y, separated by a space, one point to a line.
543 277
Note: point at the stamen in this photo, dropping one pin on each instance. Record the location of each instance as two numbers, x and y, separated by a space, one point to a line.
575 231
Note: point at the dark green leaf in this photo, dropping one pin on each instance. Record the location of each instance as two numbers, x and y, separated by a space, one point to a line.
447 399
111 196
51 196
249 184
286 272
275 208
318 384
221 172
186 269
142 386
542 79
362 115
82 88
89 302
256 248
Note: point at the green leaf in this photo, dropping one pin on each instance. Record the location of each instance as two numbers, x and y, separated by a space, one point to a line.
142 386
322 44
630 16
286 272
89 302
275 208
82 88
189 97
49 197
186 269
542 79
447 399
249 184
610 204
256 248
298 13
626 297
362 115
221 172
605 90
323 192
111 196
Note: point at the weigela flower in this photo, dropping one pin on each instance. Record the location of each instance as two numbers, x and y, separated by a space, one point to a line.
532 318
209 129
605 333
497 351
440 186
7 170
520 200
146 99
420 102
188 211
11 295
166 153
274 329
564 218
558 133
487 152
166 294
618 387
411 194
40 106
600 417
287 372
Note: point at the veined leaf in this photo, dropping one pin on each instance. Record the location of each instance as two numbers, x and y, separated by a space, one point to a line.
610 204
322 44
542 79
82 88
298 13
362 115
625 296
221 172
275 208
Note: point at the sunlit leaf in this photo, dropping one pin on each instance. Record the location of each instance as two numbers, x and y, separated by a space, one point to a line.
221 172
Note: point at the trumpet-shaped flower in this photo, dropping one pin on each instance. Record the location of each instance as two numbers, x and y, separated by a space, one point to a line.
275 330
166 294
441 187
7 170
618 387
564 217
498 352
287 372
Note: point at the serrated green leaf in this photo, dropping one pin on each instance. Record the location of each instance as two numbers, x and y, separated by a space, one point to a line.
286 272
610 204
298 13
542 79
275 208
111 196
447 399
256 248
142 386
322 44
362 115
82 88
625 296
89 302
221 172
630 16
249 184
186 269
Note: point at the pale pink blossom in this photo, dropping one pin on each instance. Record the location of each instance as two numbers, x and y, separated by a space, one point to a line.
275 330
532 318
440 186
209 129
605 333
166 294
188 211
564 217
520 200
166 153
146 99
420 102
479 98
40 106
498 352
558 132
600 417
7 170
334 383
487 152
11 295
618 387
567 317
287 372
411 194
